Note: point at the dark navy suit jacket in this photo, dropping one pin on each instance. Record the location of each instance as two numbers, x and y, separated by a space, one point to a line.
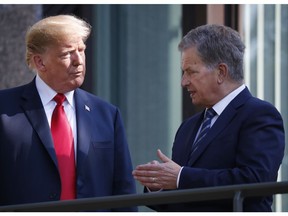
28 164
245 145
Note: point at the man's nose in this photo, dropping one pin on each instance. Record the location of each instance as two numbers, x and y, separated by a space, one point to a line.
184 81
78 58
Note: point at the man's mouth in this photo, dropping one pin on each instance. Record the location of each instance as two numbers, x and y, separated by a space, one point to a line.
77 72
191 93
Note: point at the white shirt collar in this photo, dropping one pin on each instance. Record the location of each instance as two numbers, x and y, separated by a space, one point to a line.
222 104
47 93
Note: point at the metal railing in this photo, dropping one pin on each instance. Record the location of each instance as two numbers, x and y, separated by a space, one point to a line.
236 192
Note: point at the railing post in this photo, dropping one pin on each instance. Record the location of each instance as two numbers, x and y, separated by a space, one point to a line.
238 202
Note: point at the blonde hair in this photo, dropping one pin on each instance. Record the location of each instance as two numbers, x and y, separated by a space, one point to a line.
52 30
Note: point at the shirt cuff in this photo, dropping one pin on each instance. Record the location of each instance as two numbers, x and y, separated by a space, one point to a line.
178 178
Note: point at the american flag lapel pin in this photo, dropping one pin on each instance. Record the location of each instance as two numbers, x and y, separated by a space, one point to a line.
87 108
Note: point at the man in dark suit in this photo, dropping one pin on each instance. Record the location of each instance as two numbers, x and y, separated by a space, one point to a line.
31 168
240 140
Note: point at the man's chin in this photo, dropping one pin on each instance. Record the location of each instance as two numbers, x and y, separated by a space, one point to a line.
76 83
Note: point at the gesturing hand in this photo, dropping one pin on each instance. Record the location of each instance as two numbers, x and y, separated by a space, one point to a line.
158 175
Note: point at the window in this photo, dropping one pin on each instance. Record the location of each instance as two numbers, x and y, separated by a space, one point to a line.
266 64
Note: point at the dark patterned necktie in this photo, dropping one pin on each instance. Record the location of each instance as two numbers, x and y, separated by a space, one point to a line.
206 124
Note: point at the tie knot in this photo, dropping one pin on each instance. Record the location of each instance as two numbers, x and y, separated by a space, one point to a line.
210 113
59 98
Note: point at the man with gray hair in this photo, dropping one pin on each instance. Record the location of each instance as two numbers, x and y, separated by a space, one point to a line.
57 141
236 139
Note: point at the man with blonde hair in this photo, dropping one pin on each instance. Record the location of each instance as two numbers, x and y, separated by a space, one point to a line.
59 142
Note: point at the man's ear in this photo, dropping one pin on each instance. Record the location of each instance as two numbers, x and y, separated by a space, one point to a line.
38 62
222 72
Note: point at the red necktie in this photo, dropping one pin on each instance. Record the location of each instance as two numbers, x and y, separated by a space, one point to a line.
64 148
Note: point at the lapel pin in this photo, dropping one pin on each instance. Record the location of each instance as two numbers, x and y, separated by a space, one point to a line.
87 108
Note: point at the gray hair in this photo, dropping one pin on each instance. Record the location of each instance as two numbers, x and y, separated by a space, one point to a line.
217 44
52 30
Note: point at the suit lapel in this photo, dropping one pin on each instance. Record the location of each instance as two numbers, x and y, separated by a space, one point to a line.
83 118
191 137
221 123
33 108
218 126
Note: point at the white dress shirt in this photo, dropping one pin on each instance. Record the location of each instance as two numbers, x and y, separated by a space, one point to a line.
47 94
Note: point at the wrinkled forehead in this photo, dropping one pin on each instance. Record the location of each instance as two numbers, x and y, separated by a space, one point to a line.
68 41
